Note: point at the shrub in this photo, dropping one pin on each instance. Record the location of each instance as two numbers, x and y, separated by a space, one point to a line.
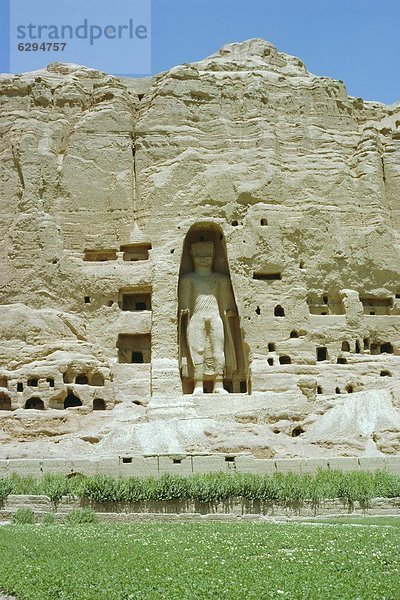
100 488
23 516
24 485
75 485
48 519
54 486
212 487
386 484
5 489
135 489
170 487
355 486
81 516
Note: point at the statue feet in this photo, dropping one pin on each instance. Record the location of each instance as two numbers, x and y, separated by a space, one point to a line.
219 389
198 390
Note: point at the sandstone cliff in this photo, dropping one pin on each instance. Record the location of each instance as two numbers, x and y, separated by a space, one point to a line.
102 179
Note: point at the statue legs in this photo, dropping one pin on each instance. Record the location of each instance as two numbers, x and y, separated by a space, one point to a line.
199 329
197 346
217 345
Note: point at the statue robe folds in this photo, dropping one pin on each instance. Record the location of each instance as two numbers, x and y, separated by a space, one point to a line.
207 313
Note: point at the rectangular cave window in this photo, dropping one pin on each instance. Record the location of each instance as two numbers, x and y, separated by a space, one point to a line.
177 461
285 360
376 306
100 255
134 349
325 305
126 460
135 301
271 347
20 386
135 254
322 353
261 276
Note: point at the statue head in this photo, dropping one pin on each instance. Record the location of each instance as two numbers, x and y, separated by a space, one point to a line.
202 254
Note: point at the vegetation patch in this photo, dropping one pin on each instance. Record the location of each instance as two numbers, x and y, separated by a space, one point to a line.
202 560
214 487
356 520
81 516
23 516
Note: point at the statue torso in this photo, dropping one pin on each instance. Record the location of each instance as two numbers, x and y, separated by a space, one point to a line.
205 294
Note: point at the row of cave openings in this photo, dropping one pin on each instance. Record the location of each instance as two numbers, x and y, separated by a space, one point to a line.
95 380
330 305
322 351
131 252
36 403
349 388
132 300
333 304
326 304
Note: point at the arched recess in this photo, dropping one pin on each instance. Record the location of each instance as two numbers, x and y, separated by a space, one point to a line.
35 403
71 400
236 371
99 404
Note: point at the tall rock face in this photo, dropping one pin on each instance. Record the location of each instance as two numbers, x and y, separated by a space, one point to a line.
105 184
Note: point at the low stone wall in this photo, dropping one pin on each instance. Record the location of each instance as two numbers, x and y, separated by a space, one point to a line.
234 508
156 465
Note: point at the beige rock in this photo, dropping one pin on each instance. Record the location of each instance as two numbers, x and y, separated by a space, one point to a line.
107 182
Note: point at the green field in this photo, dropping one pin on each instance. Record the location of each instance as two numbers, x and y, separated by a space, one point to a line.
356 520
200 560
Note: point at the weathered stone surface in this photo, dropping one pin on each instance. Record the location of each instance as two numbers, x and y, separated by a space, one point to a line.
105 183
187 509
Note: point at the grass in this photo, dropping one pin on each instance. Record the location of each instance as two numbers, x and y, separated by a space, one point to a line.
345 520
213 487
189 561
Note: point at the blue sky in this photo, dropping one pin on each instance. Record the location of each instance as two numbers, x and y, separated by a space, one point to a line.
357 41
